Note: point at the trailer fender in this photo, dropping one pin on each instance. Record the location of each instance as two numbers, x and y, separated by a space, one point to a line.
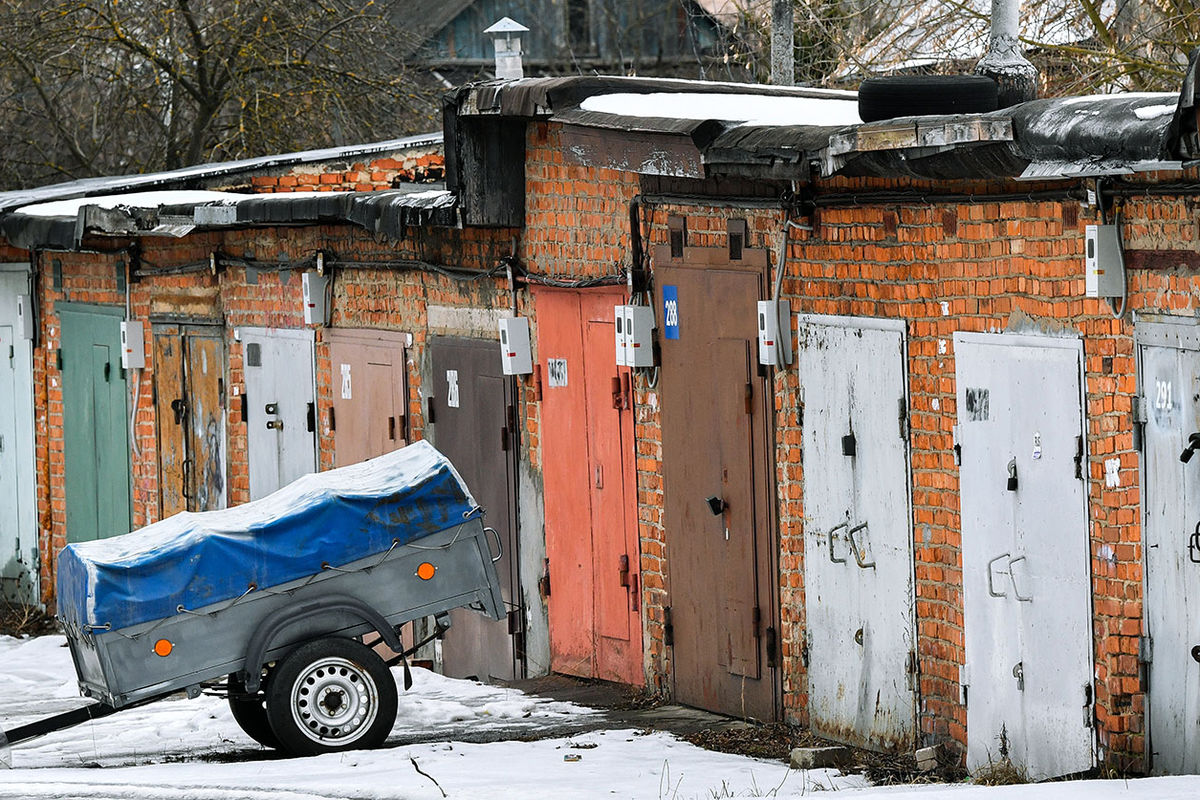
275 623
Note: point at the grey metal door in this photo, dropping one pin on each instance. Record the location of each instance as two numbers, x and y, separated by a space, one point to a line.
1026 565
471 425
858 563
280 402
1169 387
18 530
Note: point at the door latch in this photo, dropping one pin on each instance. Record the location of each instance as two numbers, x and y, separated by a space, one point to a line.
1012 475
1018 672
1194 545
179 408
271 408
275 424
623 570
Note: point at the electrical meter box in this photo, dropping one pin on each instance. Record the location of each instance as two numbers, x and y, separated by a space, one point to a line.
133 344
634 336
1102 262
515 356
315 307
25 316
774 316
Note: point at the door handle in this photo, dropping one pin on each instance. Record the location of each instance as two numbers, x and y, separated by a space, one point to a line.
862 526
186 478
1013 580
1194 545
599 477
829 537
991 585
1192 445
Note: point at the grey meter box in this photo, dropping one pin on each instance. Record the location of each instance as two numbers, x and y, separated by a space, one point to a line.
1102 262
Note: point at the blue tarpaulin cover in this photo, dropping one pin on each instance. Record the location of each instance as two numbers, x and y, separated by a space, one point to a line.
196 559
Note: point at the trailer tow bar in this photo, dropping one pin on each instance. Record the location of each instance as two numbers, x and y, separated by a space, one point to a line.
58 722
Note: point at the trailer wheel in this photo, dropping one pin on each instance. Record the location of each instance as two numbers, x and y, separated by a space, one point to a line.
329 695
250 713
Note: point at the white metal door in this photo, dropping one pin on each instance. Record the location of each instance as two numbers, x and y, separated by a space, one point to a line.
1026 567
281 406
1170 384
858 563
18 540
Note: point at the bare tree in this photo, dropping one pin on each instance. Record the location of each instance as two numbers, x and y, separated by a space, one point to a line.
91 87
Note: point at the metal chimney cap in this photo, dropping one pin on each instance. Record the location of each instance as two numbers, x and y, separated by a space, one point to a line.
507 25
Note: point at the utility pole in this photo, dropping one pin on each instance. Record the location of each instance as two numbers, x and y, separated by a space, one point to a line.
783 59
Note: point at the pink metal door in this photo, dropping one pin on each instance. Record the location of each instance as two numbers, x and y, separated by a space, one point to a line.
589 485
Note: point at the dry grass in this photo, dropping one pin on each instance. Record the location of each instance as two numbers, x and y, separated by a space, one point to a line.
999 773
17 619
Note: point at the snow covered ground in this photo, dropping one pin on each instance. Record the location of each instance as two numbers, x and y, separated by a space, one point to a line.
193 750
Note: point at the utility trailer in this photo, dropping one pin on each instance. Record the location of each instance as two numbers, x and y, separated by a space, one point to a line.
265 602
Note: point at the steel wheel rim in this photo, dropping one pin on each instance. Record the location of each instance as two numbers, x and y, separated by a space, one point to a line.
334 701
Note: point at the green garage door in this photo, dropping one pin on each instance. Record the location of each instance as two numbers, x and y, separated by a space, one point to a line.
95 425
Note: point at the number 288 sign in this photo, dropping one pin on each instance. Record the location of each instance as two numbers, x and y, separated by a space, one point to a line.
671 312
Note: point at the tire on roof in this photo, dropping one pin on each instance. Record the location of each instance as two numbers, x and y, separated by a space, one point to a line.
923 95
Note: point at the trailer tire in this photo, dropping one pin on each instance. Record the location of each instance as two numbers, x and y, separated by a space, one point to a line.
250 714
330 695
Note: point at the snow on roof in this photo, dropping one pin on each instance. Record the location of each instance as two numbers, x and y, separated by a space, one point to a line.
764 110
118 183
158 199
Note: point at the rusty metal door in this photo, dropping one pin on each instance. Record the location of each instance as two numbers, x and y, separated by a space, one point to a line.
471 423
1169 356
189 385
1027 618
370 393
589 487
858 561
723 610
280 403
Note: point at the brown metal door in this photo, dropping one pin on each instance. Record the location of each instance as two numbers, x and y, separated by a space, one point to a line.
716 484
470 401
189 380
588 482
370 394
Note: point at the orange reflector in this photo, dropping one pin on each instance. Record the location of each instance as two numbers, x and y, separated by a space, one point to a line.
163 648
426 570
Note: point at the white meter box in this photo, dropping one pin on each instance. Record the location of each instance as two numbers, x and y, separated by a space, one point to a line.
315 307
133 345
515 355
774 316
1102 262
634 336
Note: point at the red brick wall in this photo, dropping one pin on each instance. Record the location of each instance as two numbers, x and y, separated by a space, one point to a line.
385 171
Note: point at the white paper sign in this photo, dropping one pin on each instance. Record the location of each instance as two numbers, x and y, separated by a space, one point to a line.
452 392
557 370
346 382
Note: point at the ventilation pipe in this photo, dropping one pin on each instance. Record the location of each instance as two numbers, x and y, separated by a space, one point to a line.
1004 62
506 36
783 43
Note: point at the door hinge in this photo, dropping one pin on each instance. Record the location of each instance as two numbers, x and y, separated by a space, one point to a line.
245 407
312 418
1145 650
668 628
391 429
1087 706
107 371
58 359
504 438
1138 419
772 647
514 622
957 446
910 670
1079 457
430 417
332 419
902 417
749 398
756 622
